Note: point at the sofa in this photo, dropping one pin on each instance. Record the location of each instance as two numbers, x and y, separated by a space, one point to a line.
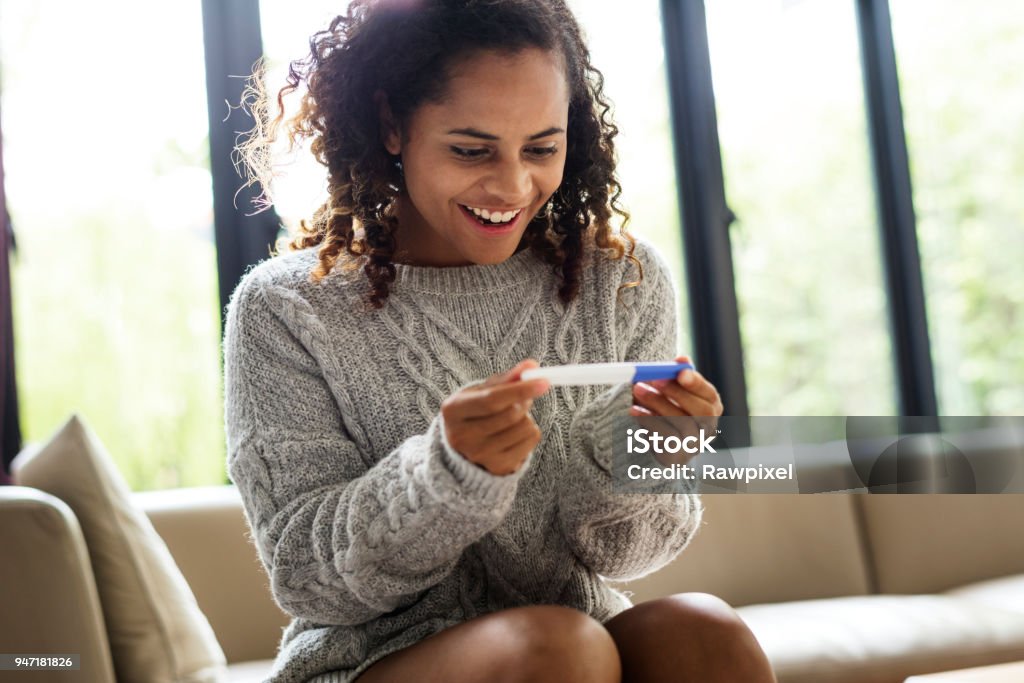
837 588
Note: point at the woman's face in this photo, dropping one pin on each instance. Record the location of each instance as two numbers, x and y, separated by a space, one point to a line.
492 150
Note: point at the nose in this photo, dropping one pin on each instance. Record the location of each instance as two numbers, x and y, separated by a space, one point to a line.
509 182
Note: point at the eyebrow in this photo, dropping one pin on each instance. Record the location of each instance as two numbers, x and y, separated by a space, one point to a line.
474 133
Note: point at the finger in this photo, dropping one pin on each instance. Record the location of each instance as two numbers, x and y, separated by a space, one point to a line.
469 437
523 365
639 411
481 401
701 388
517 433
489 425
655 401
693 381
690 403
658 383
652 422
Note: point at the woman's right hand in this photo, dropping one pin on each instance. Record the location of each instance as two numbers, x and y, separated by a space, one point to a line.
490 425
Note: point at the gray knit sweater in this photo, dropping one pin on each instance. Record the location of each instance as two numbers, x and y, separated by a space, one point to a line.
373 531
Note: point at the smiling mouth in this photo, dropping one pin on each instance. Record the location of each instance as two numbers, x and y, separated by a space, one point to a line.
489 218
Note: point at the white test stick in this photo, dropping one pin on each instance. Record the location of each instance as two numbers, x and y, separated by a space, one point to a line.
606 373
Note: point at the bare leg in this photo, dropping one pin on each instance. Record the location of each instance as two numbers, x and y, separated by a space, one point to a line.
540 644
687 638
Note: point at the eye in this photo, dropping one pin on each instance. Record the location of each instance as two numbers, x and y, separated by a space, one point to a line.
467 152
542 152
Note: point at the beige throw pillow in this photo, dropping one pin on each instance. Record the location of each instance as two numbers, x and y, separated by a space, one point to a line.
157 632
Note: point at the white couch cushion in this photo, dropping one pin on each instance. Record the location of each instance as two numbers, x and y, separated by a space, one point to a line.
1004 593
997 673
882 638
156 631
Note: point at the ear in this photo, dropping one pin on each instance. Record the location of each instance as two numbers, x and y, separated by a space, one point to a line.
391 137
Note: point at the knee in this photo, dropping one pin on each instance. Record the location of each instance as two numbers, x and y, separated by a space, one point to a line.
697 618
550 643
693 636
710 614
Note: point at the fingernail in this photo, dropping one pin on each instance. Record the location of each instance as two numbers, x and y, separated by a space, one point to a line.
686 377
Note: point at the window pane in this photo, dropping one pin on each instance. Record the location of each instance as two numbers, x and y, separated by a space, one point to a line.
114 282
634 82
806 251
963 103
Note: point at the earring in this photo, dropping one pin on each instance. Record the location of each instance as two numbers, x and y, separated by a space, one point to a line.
400 181
549 215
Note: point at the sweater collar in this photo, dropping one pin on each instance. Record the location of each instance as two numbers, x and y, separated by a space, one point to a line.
521 266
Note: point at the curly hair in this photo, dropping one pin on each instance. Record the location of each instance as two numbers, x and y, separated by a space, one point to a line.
405 49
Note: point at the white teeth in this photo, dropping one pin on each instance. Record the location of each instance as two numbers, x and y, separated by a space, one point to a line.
496 217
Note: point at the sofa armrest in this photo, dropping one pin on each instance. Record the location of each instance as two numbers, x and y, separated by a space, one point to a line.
47 588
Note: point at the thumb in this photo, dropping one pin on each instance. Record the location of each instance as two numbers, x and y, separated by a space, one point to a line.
522 366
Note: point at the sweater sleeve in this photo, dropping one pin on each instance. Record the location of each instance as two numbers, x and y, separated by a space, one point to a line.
626 535
344 535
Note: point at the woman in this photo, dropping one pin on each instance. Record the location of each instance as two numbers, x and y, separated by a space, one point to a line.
418 523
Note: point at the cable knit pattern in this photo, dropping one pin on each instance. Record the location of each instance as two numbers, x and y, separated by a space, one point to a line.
373 531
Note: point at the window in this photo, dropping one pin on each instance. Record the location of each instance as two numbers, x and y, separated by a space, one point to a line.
806 253
635 84
963 103
114 282
300 185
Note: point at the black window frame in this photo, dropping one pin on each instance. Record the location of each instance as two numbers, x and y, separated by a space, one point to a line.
706 215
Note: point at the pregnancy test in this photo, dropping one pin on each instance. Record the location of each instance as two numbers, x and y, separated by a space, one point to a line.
606 373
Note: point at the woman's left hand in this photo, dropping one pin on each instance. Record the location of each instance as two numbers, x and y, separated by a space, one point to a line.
688 395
